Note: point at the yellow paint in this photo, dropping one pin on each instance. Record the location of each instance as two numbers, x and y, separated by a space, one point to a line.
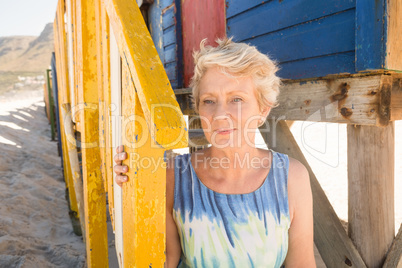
107 112
101 101
59 33
94 192
158 102
144 194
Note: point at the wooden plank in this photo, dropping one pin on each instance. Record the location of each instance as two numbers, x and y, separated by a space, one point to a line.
341 100
155 26
202 19
300 9
165 121
169 37
335 247
329 35
94 192
396 98
168 16
101 98
69 55
318 67
371 190
61 63
285 14
393 56
394 256
370 34
144 194
72 155
115 86
107 112
170 54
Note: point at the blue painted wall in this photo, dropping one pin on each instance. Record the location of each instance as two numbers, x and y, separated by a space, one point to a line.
165 25
312 38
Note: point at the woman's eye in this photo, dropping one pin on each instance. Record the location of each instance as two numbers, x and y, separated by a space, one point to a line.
208 101
237 99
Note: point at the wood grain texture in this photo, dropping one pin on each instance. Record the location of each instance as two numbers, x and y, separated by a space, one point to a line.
394 256
371 190
371 36
340 100
335 247
157 99
396 98
201 19
393 60
94 191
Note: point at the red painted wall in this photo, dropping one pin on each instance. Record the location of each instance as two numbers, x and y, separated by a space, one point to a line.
200 19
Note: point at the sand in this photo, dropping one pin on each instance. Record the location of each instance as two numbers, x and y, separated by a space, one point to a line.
35 228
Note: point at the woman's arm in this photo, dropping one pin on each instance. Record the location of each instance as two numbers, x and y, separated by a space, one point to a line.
301 233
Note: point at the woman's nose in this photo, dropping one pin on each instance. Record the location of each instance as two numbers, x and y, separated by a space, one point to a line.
221 111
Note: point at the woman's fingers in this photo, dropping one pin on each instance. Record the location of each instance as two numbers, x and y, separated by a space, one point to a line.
119 157
120 179
119 149
118 169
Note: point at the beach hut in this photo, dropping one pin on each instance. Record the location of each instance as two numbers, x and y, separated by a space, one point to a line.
340 61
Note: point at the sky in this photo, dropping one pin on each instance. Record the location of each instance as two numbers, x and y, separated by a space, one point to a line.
25 17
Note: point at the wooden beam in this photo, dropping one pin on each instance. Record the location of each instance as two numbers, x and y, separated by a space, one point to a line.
394 256
101 94
107 112
144 201
59 32
139 54
396 98
87 91
371 190
357 99
335 247
75 169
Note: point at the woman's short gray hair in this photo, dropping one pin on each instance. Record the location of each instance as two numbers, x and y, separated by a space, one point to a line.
237 60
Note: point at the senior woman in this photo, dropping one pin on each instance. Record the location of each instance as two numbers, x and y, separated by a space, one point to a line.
232 204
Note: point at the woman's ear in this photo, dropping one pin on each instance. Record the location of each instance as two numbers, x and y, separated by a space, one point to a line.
265 112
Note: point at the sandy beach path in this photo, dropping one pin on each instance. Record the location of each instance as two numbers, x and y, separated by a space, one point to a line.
35 229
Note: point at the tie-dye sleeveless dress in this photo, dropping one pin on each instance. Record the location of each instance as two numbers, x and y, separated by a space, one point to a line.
232 230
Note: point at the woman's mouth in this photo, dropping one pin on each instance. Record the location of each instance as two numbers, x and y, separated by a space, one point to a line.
224 131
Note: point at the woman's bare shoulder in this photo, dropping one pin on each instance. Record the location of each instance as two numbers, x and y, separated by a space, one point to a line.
299 189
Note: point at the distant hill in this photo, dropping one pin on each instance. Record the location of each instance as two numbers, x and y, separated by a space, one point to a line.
27 53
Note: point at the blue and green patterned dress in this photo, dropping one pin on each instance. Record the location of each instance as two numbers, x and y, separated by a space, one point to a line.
232 230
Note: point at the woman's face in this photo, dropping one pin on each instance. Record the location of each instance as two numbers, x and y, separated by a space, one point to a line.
229 110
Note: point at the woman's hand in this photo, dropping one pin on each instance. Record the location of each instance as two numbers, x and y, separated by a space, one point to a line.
120 169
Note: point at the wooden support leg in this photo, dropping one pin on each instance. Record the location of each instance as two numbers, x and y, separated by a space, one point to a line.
371 190
335 247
